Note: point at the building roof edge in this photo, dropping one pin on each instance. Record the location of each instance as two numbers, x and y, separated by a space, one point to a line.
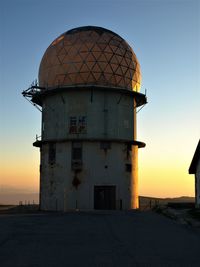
193 165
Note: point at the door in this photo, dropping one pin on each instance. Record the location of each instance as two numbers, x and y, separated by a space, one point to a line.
104 197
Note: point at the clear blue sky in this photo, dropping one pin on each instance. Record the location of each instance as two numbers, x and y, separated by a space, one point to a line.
165 36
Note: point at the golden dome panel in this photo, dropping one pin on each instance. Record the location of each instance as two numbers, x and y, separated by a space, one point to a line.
90 56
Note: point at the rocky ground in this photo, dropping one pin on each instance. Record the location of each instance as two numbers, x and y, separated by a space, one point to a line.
185 216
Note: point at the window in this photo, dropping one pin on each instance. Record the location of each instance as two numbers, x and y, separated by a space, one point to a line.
128 167
76 156
77 151
129 147
77 124
128 150
105 145
52 153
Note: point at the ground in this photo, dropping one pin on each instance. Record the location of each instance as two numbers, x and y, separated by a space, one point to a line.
103 238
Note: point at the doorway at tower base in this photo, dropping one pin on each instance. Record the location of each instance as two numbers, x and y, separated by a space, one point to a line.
105 197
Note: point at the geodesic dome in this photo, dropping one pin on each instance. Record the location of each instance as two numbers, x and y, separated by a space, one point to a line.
90 56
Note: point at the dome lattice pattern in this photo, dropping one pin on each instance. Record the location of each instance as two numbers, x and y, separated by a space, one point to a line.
90 56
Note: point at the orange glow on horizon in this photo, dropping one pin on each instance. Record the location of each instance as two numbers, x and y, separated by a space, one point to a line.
154 180
20 172
163 171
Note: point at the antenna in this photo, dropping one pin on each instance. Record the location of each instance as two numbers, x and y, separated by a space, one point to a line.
32 92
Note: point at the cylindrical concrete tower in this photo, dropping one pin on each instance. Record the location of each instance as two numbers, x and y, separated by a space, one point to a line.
89 80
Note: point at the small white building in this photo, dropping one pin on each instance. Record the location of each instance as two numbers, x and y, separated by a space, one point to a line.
88 92
195 169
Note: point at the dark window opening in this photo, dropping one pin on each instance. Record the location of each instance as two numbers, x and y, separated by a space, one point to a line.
129 146
76 151
105 145
128 167
128 150
52 153
120 204
76 156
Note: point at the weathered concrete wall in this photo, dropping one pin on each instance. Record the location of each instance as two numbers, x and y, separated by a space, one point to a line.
99 167
197 181
134 178
109 116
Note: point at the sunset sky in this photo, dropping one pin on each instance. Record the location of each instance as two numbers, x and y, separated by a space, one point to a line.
165 35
